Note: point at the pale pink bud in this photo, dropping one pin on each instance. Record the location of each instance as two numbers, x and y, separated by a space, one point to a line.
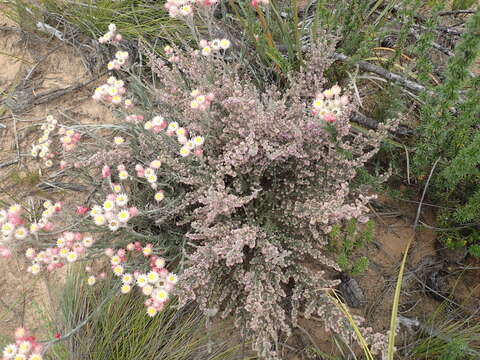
139 167
48 227
344 100
133 211
121 252
329 118
51 267
102 275
63 164
131 247
78 236
82 210
106 171
198 152
336 89
118 37
6 253
210 96
111 197
109 252
163 273
88 268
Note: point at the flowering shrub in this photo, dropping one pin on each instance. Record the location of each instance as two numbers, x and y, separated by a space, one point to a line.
273 179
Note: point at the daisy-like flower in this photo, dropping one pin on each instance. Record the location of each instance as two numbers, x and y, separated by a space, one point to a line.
225 44
152 178
118 270
123 175
118 140
123 216
157 120
125 289
190 145
72 256
147 290
63 252
35 269
60 242
172 278
155 164
9 351
153 277
88 241
148 125
184 151
108 205
116 188
206 51
186 10
198 140
96 210
15 209
91 280
35 357
194 104
121 199
142 280
151 311
7 228
160 263
21 233
24 347
147 250
114 225
115 260
159 196
173 126
99 220
30 253
127 278
160 295
20 357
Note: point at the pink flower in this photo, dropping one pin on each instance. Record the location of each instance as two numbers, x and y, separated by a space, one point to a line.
111 197
48 227
82 210
15 219
329 118
63 164
198 152
121 252
5 252
109 252
106 171
133 211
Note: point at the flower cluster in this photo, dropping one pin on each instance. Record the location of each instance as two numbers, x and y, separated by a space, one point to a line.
189 146
13 225
329 104
111 36
24 348
69 138
112 92
156 284
70 247
200 101
114 211
210 47
150 175
42 148
183 8
121 58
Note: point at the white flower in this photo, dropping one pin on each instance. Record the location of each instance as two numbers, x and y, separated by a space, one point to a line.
153 277
225 44
125 289
72 256
121 199
172 278
91 280
123 216
9 351
127 278
142 280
